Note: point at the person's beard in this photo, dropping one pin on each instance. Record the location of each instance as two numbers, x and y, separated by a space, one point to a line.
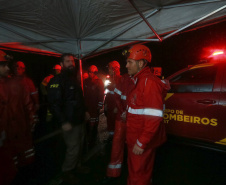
70 71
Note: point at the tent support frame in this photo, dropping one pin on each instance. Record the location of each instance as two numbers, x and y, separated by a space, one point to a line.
25 36
194 22
123 31
145 20
115 38
80 62
190 4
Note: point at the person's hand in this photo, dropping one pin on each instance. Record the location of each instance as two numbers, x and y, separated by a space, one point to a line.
123 116
87 116
67 126
101 111
137 150
115 110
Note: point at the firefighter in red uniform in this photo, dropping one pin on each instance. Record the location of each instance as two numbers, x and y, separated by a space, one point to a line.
110 103
94 95
19 71
145 131
16 118
121 91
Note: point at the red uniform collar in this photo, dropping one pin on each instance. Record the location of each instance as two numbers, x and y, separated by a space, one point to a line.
142 72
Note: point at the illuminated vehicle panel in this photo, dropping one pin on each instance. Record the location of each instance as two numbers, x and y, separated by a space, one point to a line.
196 104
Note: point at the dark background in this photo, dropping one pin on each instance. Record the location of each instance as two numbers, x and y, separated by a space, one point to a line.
172 54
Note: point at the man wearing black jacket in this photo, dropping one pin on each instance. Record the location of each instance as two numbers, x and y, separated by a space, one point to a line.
67 105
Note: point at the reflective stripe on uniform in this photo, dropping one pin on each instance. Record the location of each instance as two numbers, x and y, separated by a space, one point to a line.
118 91
114 166
139 143
29 153
111 92
30 150
123 97
27 156
36 92
146 111
93 119
100 104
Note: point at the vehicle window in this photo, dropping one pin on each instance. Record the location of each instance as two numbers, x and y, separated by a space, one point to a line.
195 80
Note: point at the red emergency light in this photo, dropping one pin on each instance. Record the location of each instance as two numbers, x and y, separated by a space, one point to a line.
218 53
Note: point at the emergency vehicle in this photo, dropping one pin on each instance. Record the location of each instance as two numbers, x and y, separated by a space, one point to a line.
195 107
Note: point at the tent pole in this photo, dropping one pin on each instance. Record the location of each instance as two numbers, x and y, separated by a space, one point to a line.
194 22
85 39
190 4
142 16
80 63
81 75
121 39
123 31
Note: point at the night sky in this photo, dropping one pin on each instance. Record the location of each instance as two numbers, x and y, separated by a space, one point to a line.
172 54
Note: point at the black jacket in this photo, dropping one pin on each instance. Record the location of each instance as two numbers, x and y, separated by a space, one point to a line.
66 99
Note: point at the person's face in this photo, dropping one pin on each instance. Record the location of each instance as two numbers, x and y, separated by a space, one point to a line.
111 71
20 70
91 74
57 71
68 63
4 70
133 66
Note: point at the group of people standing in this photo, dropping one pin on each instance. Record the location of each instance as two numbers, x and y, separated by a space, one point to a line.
132 105
139 97
18 106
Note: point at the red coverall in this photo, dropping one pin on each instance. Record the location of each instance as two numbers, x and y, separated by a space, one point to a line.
93 95
110 104
16 120
122 89
144 126
29 85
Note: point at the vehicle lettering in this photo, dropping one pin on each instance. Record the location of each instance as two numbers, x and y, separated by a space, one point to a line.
178 115
213 122
197 120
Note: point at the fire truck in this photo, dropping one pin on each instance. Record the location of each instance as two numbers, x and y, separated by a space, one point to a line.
195 107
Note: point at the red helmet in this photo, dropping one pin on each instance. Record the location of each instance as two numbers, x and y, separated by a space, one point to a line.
139 52
3 56
114 64
85 76
57 66
93 69
20 64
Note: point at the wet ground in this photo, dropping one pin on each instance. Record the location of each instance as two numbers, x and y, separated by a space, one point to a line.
175 164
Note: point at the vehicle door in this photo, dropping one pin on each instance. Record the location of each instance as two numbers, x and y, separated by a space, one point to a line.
221 139
192 106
